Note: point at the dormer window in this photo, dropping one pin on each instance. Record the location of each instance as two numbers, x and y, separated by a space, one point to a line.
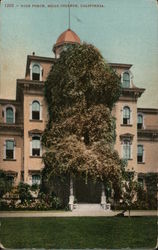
140 121
36 72
35 110
126 115
9 114
126 80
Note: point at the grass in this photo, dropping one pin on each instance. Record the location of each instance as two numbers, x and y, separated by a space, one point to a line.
80 232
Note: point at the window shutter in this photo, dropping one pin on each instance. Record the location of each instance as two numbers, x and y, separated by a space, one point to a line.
30 148
41 109
30 111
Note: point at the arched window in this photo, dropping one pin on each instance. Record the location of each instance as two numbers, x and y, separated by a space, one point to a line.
126 80
36 146
9 115
140 121
36 72
35 110
126 115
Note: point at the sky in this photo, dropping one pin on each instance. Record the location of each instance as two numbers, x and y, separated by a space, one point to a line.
124 31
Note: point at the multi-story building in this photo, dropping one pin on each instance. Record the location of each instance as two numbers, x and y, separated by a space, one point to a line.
23 120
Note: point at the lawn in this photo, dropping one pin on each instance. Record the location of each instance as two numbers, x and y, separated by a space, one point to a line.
80 232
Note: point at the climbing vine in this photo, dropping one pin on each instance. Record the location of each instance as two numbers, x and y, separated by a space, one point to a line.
80 91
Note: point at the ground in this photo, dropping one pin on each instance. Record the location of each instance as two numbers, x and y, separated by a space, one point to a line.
78 232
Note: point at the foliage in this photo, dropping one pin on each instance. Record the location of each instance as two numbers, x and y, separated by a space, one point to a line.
5 183
80 91
129 191
24 192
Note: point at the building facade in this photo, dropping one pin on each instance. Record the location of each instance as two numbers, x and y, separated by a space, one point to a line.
23 120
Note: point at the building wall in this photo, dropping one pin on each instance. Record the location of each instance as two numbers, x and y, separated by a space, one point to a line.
32 162
15 166
127 129
150 163
46 67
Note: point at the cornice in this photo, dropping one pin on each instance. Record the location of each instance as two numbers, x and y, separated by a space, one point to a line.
147 134
120 65
15 129
148 110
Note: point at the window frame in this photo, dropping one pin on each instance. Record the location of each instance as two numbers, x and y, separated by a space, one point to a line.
31 110
128 120
31 71
5 149
32 154
142 124
122 78
142 155
5 113
129 157
37 181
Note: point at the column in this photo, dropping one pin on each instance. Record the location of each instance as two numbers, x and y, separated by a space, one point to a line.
71 197
103 197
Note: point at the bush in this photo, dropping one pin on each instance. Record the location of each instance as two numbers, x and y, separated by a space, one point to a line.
24 193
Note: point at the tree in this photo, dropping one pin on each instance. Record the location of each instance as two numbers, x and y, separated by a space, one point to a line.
129 191
80 91
5 183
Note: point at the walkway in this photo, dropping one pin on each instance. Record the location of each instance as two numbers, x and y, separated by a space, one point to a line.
103 213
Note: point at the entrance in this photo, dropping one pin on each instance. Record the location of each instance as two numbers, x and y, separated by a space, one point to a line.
87 193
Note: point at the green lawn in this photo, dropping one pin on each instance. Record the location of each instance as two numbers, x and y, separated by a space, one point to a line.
80 232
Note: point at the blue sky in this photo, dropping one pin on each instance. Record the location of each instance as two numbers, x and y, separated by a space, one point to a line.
124 31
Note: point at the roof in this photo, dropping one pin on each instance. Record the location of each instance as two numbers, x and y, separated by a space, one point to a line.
68 36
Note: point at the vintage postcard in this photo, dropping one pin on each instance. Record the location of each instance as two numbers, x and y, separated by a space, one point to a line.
78 124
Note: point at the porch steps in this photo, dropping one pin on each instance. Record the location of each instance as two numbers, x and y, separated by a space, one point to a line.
88 207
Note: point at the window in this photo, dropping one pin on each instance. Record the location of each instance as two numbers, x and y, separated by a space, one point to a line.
36 146
126 80
140 121
140 152
35 110
126 149
9 149
36 72
36 179
9 115
126 115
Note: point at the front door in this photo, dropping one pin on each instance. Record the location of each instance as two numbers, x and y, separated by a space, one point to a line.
89 192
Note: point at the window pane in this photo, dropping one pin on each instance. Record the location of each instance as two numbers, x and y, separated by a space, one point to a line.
126 150
35 106
140 119
126 112
9 154
126 80
35 142
140 150
10 145
9 115
36 179
36 69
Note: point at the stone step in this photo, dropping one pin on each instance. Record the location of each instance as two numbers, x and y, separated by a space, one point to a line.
88 207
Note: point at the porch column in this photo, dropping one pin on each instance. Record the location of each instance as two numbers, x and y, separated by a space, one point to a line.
71 197
103 197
